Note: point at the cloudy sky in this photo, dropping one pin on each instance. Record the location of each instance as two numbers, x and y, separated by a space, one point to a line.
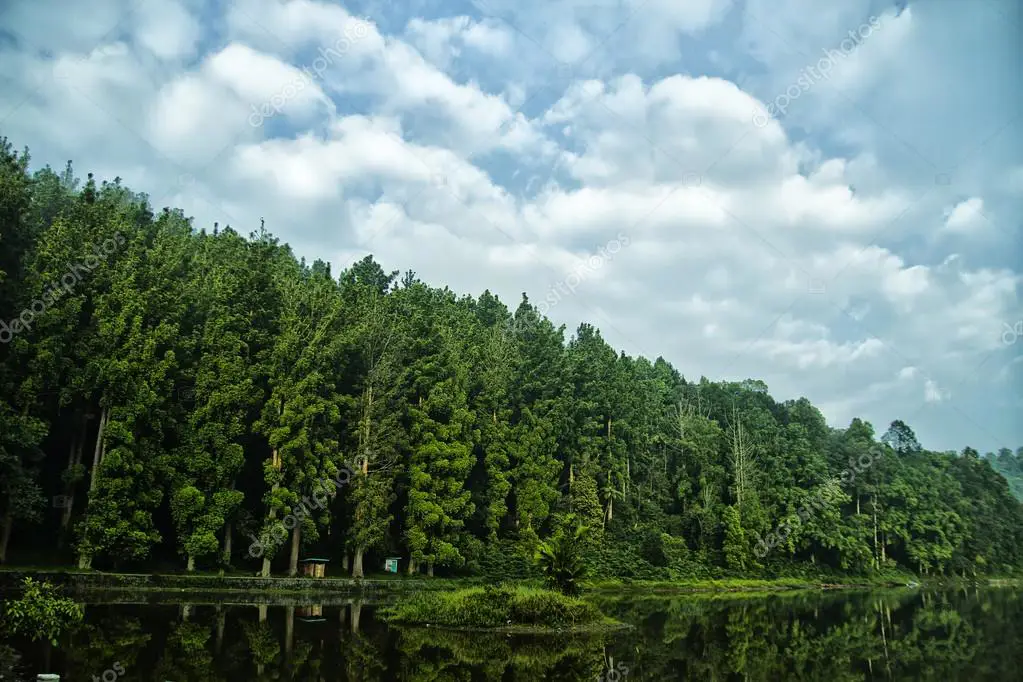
824 196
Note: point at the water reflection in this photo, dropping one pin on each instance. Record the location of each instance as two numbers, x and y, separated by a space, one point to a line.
838 637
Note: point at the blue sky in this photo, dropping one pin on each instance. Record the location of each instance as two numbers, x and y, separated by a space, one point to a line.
737 185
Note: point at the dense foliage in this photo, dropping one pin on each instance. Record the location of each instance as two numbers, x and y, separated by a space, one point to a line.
172 396
39 613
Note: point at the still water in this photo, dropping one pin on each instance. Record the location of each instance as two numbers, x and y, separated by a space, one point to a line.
969 634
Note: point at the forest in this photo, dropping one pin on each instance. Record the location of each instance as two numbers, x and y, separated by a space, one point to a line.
180 398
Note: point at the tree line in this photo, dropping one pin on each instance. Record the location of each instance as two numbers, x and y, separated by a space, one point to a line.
175 395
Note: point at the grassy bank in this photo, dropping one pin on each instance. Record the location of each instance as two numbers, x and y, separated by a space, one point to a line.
740 584
787 584
75 579
503 609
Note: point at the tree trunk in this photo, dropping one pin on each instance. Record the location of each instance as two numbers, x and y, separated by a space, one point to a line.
884 640
357 564
262 613
289 631
346 562
74 459
873 507
356 608
272 515
221 622
226 550
609 512
412 566
429 568
99 450
742 459
227 543
296 540
191 564
84 557
5 535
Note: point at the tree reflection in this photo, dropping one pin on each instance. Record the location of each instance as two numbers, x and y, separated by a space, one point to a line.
974 635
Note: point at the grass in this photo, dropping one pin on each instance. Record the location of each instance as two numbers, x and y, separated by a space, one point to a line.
508 609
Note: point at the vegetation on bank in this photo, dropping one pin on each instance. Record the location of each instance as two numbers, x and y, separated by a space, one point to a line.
172 395
502 607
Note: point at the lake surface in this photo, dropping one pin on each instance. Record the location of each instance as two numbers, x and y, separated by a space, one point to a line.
969 634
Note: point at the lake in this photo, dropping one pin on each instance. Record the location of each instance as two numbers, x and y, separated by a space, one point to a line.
836 636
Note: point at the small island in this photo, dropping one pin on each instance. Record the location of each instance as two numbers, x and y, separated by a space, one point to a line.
516 609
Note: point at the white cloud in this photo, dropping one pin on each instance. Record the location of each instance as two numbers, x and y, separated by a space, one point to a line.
966 216
167 29
907 372
489 37
410 146
934 394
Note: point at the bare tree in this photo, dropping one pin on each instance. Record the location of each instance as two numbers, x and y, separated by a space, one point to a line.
742 457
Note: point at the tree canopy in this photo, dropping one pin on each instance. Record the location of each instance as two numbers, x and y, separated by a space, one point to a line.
171 395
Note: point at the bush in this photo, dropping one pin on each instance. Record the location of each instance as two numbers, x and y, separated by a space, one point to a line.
541 607
41 612
561 559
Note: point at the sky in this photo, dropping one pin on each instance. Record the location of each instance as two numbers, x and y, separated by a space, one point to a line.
822 196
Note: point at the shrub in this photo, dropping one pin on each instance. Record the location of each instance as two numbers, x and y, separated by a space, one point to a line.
41 612
539 607
561 560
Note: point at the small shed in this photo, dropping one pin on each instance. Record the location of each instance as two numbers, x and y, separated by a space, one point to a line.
314 567
391 564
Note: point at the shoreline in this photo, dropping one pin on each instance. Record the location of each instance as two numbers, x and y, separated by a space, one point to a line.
93 581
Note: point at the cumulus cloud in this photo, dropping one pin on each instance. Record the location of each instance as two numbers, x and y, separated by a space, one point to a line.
804 250
966 216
